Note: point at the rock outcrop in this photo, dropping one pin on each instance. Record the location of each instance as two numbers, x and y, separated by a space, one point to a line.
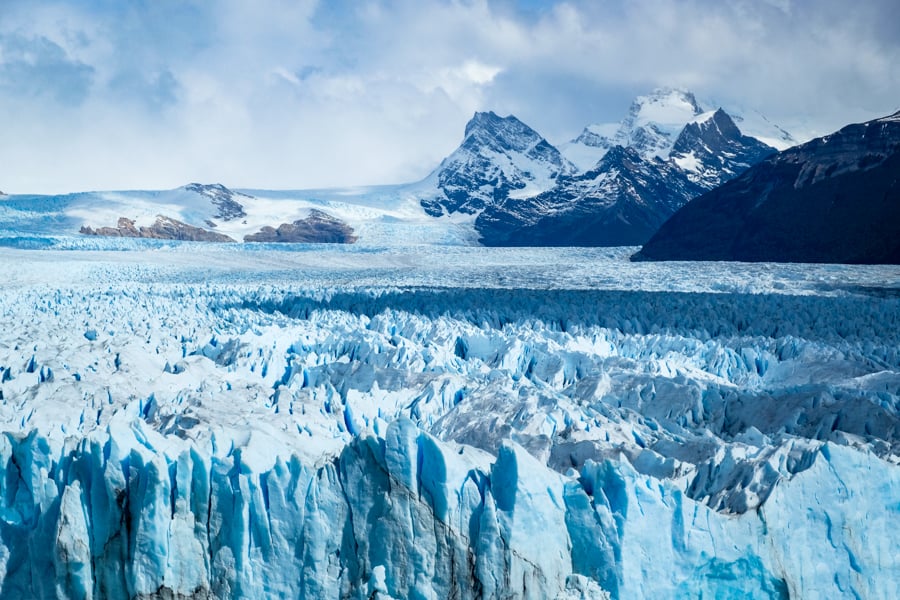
164 228
318 227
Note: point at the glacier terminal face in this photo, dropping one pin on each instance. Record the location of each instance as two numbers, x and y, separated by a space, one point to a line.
191 421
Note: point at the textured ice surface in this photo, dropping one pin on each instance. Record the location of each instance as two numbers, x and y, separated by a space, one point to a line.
453 422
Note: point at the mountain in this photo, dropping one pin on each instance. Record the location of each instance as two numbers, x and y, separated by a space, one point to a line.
499 158
663 154
651 127
711 149
654 122
622 201
833 199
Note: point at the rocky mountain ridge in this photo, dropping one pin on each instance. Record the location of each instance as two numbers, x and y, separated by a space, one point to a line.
664 153
164 228
833 199
499 157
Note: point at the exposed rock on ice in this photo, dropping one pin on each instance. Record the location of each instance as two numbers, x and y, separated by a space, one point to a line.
164 228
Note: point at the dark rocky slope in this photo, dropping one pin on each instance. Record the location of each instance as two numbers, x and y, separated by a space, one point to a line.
620 202
834 199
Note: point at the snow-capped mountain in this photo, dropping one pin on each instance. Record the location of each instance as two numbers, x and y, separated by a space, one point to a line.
650 127
711 149
833 199
499 158
622 201
665 152
654 122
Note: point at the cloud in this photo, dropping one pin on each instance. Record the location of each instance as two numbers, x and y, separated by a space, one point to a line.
287 93
37 68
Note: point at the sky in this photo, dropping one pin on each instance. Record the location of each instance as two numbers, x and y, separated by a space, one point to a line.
294 94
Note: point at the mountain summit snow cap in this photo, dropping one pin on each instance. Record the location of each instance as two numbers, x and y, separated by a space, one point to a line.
508 132
498 158
664 107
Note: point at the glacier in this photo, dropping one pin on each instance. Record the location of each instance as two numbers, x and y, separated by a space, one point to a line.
187 421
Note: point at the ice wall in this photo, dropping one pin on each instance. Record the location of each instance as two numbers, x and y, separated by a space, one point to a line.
128 514
247 439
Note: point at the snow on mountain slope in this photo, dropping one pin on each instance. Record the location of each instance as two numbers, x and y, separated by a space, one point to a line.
236 421
499 158
655 121
590 146
385 215
757 125
712 150
621 201
651 126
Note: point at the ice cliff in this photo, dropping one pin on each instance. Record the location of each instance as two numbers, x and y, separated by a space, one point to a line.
132 514
173 430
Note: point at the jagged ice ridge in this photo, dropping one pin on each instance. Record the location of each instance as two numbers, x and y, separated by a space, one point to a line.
344 432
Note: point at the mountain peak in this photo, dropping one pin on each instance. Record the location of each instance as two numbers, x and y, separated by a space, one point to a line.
487 128
498 158
483 120
711 149
665 106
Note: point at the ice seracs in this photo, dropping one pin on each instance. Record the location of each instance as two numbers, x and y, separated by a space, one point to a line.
226 421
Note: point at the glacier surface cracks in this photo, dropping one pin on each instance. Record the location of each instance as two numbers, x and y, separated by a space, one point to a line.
233 434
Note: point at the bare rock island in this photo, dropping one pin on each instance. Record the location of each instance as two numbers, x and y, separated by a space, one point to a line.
164 228
318 227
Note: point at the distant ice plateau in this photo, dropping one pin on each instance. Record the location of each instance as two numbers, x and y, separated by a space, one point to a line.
193 421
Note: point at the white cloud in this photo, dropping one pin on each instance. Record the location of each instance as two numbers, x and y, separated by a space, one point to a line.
282 93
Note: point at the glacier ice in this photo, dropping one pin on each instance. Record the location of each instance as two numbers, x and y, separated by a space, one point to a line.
468 424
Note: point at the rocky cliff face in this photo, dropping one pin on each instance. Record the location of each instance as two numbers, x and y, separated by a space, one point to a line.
164 228
834 199
318 227
711 150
